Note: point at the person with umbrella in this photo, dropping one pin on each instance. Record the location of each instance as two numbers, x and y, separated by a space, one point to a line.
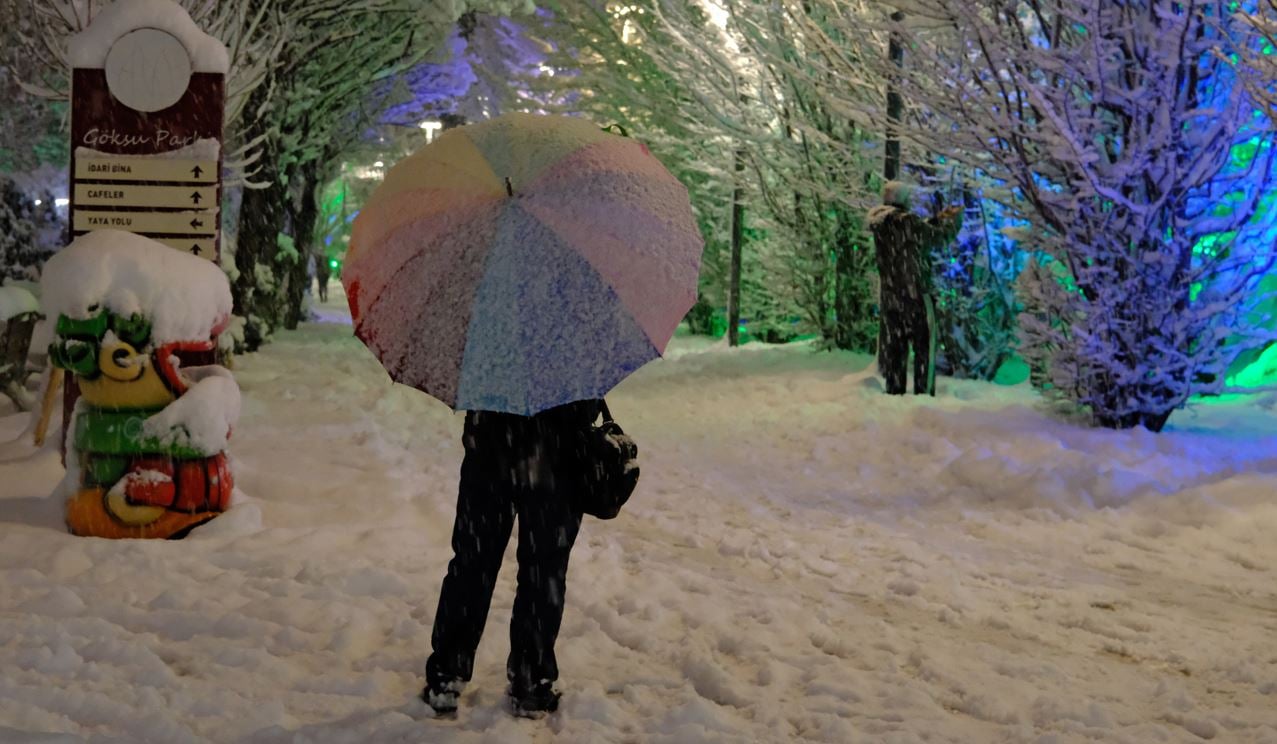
524 466
518 269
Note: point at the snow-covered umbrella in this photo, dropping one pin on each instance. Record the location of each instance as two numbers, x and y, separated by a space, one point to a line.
522 263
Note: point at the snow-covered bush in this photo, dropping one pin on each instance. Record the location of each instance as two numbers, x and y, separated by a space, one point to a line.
1155 250
975 296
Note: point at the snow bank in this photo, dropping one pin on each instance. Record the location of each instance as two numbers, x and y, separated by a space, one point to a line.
16 301
805 559
89 48
185 297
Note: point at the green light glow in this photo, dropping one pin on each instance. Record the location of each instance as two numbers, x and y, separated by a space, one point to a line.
1227 204
1262 372
1211 245
1243 153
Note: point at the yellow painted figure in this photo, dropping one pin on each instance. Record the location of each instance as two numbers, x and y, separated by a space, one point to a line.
141 473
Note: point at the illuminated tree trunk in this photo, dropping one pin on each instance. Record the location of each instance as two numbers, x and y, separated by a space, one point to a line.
895 104
733 288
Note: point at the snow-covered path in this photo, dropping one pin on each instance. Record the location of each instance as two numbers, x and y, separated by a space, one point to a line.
806 559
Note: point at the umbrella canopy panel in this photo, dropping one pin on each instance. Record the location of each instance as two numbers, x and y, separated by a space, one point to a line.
523 359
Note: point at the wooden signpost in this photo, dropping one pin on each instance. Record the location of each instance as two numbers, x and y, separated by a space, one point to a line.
146 132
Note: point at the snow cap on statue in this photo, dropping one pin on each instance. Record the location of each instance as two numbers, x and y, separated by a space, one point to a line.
897 194
186 298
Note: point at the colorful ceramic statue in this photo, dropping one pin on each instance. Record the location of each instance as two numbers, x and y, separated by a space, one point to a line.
146 446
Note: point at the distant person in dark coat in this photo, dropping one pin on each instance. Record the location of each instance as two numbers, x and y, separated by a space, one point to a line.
529 467
904 243
322 274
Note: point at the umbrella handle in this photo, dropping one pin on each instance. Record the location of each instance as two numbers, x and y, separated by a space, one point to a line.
509 187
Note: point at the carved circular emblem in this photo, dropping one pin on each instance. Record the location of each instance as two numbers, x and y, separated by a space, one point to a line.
148 69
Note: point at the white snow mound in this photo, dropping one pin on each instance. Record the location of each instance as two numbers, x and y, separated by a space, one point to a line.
185 297
89 48
202 418
16 301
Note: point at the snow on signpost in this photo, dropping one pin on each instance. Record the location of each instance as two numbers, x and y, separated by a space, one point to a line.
147 100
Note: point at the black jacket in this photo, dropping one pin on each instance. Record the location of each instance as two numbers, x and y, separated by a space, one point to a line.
552 438
904 243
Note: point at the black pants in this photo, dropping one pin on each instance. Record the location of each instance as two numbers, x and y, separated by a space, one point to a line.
494 491
904 328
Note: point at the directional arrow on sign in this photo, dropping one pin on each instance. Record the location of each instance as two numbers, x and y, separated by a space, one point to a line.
198 247
141 195
152 224
137 169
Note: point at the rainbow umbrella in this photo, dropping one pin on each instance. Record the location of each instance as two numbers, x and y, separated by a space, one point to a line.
522 263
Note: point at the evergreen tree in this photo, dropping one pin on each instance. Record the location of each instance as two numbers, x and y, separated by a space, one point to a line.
20 255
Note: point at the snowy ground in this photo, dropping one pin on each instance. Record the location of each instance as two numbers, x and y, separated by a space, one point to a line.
806 559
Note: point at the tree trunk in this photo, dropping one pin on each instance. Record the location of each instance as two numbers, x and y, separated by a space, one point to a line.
895 104
257 287
733 288
304 214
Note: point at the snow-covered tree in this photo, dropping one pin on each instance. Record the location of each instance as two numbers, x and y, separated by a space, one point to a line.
20 254
36 52
506 62
714 86
1256 64
342 66
32 126
825 160
306 77
604 60
1114 125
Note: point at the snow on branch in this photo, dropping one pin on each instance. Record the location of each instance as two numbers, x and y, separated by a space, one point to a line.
1118 127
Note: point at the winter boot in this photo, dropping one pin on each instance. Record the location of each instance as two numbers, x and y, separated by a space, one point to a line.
442 697
537 702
